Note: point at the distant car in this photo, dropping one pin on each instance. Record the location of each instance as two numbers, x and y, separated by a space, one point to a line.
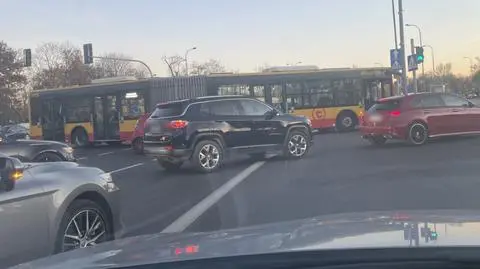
417 117
137 137
36 150
204 130
47 208
15 131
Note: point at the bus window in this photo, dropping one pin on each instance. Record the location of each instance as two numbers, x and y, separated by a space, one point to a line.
294 95
238 89
347 92
318 93
259 93
77 110
133 106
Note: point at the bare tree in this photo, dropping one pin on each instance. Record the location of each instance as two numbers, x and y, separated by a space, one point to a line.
443 70
12 84
58 65
175 64
208 67
177 67
112 67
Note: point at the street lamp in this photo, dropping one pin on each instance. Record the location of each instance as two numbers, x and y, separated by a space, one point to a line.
186 60
433 57
421 42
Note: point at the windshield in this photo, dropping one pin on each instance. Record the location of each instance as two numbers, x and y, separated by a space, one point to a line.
158 119
385 105
168 110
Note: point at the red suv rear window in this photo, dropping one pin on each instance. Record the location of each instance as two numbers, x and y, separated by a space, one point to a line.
386 105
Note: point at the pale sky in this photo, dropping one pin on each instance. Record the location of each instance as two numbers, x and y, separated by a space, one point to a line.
244 34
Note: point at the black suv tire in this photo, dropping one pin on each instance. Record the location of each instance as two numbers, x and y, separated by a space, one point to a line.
212 156
301 144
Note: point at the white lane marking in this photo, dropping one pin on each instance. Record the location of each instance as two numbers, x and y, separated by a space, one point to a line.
125 168
82 158
106 153
196 211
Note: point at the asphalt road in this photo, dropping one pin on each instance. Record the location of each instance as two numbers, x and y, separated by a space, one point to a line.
341 174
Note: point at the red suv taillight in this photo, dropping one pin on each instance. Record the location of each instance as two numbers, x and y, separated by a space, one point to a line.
395 113
177 124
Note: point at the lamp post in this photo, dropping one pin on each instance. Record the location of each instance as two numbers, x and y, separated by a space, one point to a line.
186 59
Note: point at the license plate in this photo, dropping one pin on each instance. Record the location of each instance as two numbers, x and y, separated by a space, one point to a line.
376 118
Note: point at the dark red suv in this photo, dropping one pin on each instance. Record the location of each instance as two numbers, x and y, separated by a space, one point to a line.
417 117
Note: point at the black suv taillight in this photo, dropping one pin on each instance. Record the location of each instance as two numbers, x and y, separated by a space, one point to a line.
177 124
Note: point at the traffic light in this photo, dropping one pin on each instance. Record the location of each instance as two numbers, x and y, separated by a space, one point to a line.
87 53
27 53
419 53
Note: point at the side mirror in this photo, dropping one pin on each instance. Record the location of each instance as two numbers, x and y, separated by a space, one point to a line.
11 170
271 114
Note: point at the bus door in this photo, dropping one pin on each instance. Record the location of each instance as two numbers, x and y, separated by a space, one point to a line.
52 120
106 111
372 92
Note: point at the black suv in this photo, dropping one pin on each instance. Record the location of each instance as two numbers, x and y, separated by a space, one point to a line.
203 130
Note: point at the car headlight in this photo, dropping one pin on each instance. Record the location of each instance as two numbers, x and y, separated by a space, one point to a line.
68 150
309 122
107 177
109 184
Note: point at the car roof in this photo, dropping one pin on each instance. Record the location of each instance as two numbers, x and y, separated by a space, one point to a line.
410 95
204 98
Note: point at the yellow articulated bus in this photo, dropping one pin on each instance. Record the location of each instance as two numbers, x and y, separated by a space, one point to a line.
329 97
104 111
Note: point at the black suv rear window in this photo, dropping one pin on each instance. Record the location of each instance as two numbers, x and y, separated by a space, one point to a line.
168 110
385 105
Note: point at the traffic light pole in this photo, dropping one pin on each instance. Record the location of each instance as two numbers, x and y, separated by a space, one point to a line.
414 72
126 60
402 47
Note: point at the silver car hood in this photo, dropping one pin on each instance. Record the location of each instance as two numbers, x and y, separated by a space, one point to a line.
357 230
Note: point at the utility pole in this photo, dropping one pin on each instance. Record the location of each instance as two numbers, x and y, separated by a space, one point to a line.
414 72
394 24
402 47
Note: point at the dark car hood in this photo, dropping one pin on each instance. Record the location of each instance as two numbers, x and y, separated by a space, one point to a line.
38 142
358 230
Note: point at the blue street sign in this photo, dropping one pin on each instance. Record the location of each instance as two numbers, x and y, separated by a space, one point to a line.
412 62
396 59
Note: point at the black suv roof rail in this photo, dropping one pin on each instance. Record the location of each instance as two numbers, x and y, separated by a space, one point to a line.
204 98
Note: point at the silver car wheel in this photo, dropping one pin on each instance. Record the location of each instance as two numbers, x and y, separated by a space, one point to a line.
297 145
86 228
209 156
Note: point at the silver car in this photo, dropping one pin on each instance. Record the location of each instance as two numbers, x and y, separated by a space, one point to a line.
47 208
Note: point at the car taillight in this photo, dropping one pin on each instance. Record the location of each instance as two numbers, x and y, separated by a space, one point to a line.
395 113
177 124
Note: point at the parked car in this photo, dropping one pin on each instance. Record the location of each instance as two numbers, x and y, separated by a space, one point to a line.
137 137
47 208
15 131
36 150
417 117
205 129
